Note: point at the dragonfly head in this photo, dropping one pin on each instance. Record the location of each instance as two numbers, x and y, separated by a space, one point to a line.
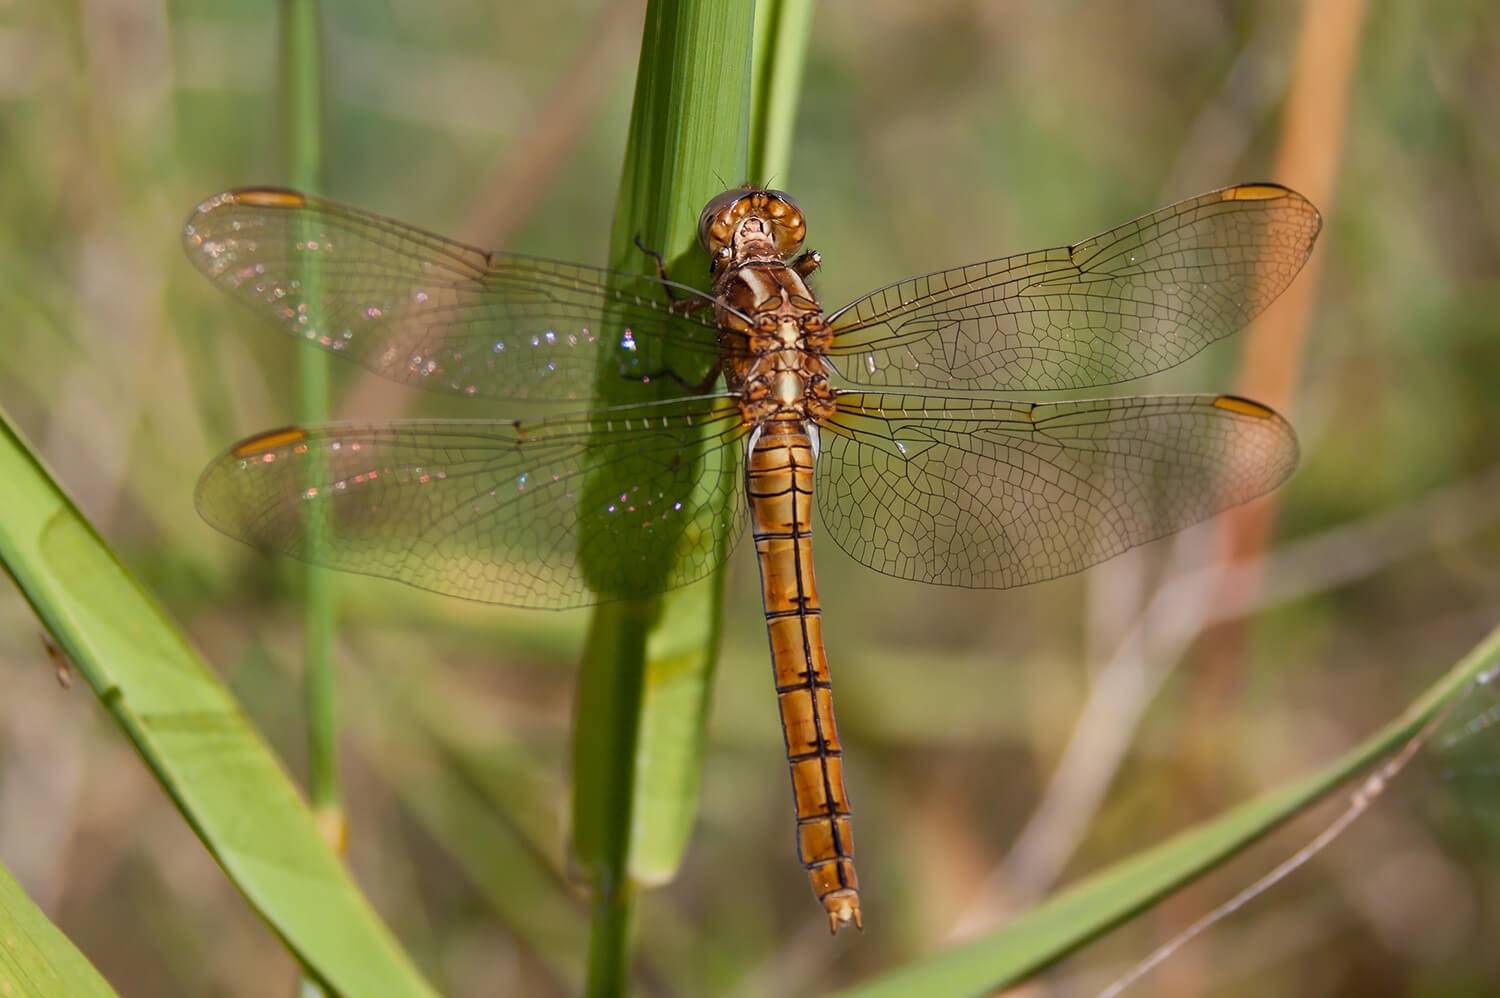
749 222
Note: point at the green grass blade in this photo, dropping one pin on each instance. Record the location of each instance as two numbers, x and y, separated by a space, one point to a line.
302 99
1079 914
226 782
682 646
301 60
36 959
783 29
647 666
681 652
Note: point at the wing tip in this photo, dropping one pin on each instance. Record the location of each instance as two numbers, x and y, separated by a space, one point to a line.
1271 422
253 197
202 236
262 443
265 197
1269 191
1257 192
1245 407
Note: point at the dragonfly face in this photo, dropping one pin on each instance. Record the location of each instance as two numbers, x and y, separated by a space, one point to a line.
922 471
747 223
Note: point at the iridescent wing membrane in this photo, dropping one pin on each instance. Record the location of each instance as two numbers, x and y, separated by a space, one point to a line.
496 511
935 486
994 494
434 313
1138 299
944 487
552 512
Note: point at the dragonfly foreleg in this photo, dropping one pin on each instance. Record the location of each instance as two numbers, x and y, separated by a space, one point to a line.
806 263
659 260
682 306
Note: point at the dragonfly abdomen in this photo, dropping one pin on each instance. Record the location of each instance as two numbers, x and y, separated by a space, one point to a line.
779 481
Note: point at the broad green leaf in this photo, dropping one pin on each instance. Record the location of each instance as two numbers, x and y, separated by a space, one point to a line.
1079 914
639 724
783 29
36 959
224 779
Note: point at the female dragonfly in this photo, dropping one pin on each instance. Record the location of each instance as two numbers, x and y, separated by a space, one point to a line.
922 471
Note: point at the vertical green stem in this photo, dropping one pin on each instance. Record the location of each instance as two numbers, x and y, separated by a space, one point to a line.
646 670
611 685
302 114
782 32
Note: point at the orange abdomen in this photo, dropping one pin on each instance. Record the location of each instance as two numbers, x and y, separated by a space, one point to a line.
780 481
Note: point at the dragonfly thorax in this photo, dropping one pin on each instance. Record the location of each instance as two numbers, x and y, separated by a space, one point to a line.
774 339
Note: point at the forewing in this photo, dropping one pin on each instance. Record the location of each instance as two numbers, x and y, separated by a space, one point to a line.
553 513
430 312
1130 302
995 494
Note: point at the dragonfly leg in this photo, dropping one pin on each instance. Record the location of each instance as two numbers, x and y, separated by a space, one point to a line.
682 306
806 263
661 263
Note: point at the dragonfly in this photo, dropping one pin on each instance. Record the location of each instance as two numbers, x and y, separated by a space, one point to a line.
695 411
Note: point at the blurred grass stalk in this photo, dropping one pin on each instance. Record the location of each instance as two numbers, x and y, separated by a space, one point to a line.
1071 918
301 61
197 740
1146 650
1307 158
648 664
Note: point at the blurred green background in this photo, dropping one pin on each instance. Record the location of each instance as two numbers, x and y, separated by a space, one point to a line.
929 135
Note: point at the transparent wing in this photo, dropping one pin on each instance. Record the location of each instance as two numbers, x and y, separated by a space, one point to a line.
1130 302
430 312
995 494
553 513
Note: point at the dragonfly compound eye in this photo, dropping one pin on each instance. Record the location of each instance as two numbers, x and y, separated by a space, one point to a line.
716 224
788 225
778 212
